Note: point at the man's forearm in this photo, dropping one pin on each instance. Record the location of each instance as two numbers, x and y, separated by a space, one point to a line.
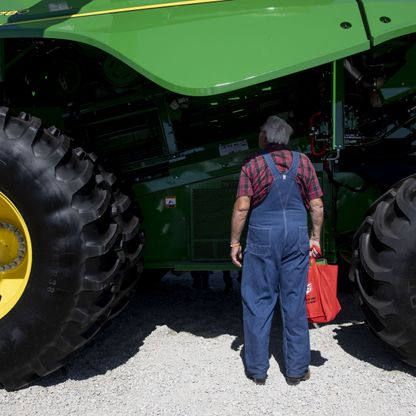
238 220
316 212
237 225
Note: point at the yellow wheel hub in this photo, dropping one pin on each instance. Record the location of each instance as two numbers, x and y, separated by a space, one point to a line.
15 255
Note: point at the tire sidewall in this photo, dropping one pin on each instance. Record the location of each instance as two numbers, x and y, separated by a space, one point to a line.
54 228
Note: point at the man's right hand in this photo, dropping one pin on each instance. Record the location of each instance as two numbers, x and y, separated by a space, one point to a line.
316 210
314 248
236 256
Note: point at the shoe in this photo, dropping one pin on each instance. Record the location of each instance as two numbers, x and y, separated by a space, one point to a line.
259 381
294 381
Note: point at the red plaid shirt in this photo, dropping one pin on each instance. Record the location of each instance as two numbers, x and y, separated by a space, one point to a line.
256 177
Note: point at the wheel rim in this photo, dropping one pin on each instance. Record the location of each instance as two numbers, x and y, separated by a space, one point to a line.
15 255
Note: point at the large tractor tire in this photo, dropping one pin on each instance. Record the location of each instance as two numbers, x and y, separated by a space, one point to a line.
69 249
384 268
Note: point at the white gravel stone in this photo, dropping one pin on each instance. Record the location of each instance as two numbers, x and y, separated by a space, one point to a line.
177 351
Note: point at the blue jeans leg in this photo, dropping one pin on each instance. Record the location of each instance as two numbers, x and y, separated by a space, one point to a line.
259 296
292 286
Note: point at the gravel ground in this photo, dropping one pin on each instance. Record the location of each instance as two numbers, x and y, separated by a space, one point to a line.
177 351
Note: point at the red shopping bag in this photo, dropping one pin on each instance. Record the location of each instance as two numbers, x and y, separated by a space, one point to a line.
321 294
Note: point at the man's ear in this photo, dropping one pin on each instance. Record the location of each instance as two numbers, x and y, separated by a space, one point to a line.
263 141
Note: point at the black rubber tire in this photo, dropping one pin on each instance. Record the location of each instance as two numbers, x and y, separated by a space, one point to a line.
384 268
130 244
82 230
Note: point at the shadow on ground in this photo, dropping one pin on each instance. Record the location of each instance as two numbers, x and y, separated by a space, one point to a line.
206 313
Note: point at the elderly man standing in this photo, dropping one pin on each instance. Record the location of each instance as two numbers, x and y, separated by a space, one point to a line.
277 186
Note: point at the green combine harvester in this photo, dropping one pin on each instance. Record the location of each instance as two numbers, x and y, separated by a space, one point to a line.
123 127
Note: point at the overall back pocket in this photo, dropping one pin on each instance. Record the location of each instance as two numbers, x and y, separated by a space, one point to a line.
259 240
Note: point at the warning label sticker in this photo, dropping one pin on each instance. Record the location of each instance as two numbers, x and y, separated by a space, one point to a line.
170 202
235 147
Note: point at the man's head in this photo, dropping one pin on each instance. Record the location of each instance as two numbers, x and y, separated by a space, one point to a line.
274 130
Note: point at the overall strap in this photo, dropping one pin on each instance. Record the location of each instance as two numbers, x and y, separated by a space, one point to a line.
285 191
292 172
272 166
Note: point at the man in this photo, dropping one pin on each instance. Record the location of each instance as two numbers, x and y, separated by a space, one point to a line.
278 187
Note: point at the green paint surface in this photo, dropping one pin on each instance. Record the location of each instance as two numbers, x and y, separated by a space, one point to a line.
202 49
390 19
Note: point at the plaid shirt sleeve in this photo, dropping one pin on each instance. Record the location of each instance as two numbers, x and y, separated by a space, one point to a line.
245 187
312 187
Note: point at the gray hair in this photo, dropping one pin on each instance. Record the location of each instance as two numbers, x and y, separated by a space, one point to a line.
277 130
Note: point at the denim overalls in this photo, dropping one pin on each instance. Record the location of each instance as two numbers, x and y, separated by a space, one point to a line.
276 265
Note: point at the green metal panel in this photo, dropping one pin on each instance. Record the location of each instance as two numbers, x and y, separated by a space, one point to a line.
182 214
351 206
337 105
188 223
168 227
200 49
212 204
328 231
404 81
389 19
